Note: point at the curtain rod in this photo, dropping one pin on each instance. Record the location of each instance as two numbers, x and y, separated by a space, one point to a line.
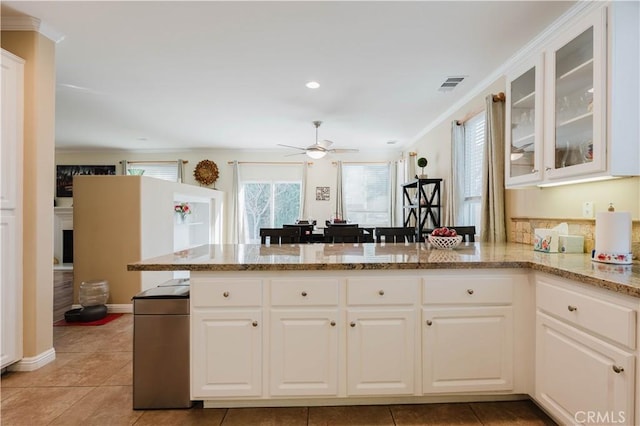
271 162
361 162
154 162
500 97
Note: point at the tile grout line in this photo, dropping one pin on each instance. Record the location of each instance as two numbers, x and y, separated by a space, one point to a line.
475 414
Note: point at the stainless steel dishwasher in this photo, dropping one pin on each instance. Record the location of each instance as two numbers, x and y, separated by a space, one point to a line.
161 348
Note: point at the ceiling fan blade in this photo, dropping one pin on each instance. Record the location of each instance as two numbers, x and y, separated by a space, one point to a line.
297 153
294 147
343 151
325 143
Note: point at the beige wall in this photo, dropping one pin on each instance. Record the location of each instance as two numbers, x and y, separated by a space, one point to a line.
39 140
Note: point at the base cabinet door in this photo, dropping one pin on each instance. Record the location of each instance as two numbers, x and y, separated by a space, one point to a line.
304 352
581 379
381 352
227 353
467 349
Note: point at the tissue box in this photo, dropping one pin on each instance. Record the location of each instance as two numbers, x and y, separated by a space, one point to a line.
546 240
571 243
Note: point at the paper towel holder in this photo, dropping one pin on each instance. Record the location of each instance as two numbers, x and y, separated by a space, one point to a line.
609 257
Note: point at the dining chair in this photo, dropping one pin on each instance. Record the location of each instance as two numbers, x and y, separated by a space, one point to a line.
306 231
395 234
280 235
343 234
468 232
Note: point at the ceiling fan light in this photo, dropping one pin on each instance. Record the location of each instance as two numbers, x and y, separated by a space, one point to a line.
316 154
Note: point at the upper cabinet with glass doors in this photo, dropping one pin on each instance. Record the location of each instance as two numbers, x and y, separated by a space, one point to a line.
576 99
524 129
588 126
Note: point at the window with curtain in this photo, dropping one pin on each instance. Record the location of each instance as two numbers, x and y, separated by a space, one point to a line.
165 170
367 194
270 197
474 139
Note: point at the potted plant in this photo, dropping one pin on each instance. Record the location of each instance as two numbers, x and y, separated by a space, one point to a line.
422 163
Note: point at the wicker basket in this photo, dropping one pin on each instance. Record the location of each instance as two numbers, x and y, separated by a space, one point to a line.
445 243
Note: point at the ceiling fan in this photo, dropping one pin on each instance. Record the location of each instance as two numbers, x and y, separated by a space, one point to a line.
319 149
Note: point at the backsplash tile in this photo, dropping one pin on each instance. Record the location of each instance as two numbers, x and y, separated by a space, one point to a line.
522 231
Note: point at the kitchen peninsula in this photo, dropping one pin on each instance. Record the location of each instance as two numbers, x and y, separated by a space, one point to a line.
379 323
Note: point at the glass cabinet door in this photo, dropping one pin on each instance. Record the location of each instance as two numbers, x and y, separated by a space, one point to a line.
523 157
576 142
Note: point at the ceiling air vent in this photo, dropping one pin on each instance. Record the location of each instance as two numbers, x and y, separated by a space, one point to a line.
450 83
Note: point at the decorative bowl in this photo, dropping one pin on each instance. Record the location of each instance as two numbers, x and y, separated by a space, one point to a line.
445 243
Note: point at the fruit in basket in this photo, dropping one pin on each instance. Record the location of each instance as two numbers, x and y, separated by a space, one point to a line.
444 232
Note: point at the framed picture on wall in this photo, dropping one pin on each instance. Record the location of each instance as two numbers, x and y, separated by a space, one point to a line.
65 174
322 193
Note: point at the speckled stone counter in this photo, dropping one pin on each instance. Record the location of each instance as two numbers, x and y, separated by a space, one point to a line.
623 279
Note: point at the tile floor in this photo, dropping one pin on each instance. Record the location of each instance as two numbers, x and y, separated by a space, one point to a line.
89 383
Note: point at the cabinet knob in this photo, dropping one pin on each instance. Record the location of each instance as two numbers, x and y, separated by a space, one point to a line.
255 323
546 169
225 294
572 308
470 290
352 324
617 369
534 170
333 323
381 292
304 294
429 322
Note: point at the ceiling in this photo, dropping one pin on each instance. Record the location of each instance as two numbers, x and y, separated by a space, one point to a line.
212 74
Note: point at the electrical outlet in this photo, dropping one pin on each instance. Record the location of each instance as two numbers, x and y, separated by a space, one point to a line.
587 209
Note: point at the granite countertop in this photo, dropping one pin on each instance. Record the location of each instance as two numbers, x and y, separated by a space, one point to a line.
369 256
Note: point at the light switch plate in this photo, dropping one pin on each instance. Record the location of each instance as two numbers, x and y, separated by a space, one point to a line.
587 209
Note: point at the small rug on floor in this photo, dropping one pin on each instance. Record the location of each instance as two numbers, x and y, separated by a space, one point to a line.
108 318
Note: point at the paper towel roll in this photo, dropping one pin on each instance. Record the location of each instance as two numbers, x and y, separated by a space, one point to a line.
613 232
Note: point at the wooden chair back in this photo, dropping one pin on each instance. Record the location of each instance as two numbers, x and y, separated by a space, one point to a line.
468 232
396 235
343 234
280 235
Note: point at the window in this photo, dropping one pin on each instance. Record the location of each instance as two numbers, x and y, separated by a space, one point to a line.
269 205
367 193
474 139
165 170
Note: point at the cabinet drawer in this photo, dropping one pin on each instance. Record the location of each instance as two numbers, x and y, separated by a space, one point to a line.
304 292
226 293
477 290
376 291
607 319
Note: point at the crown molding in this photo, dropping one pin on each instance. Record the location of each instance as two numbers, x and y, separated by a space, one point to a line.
29 23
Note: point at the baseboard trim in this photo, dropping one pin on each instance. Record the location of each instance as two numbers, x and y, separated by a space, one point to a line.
115 308
34 362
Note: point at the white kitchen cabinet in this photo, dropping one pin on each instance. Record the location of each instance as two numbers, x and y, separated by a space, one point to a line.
588 128
467 349
585 357
226 338
381 347
303 338
467 333
524 118
381 336
11 159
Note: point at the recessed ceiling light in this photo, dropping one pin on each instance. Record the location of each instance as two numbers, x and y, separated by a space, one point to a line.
391 142
141 138
313 85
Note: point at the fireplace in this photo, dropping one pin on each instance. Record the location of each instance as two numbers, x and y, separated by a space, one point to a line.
63 234
67 246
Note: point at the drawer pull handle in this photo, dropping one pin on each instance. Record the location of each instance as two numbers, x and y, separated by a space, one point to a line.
304 294
470 290
225 294
255 323
429 322
572 308
617 369
534 170
333 323
381 292
353 324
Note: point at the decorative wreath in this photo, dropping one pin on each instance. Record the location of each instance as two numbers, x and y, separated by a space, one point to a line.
206 172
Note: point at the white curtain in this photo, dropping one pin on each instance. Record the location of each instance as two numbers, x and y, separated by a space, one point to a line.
493 228
236 209
393 192
339 194
400 179
411 167
454 191
180 171
304 206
